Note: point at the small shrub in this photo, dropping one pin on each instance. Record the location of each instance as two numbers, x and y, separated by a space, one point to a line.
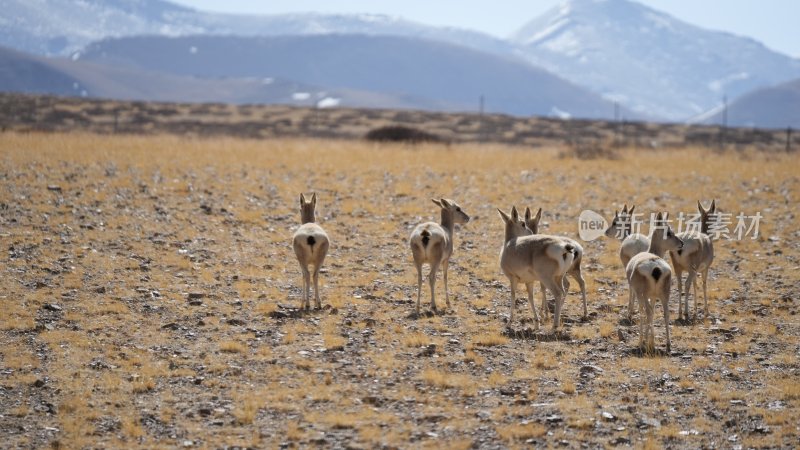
398 133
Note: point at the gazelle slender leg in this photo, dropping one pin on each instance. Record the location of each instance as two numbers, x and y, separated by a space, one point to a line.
306 288
317 302
432 280
705 292
678 275
642 332
631 298
690 282
419 285
545 308
533 307
513 299
665 306
555 286
651 341
579 278
445 265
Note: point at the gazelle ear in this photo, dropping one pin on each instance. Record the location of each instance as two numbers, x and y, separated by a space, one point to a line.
701 209
438 203
514 214
445 203
616 214
505 216
713 207
314 199
302 199
538 216
630 211
527 214
625 209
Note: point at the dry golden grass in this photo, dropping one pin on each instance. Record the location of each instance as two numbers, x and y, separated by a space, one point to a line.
139 223
518 432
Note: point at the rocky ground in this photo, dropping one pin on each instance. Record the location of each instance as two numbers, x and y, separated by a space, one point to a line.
150 299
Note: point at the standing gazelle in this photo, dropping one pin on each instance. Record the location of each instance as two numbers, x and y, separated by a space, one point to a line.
526 258
310 244
432 243
695 257
622 228
649 279
532 223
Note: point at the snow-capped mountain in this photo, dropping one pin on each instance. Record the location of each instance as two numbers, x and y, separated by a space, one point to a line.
647 60
63 27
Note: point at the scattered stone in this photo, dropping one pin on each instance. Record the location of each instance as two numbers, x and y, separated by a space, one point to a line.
608 416
761 429
620 440
554 418
52 307
428 350
54 188
278 314
648 422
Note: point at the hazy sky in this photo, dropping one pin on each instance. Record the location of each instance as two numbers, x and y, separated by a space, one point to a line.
773 22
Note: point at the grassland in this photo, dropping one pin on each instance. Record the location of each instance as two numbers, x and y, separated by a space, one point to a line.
44 113
149 291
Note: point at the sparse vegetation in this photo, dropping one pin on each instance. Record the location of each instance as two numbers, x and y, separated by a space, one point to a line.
399 133
150 298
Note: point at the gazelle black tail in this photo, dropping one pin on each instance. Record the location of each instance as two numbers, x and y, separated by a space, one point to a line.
656 273
426 237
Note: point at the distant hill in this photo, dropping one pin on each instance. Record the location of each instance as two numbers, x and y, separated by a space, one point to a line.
654 65
63 27
390 65
20 72
773 107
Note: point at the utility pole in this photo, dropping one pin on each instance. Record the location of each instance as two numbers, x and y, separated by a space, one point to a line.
481 136
724 121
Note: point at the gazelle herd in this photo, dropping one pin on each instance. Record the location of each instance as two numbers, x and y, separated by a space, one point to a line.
527 256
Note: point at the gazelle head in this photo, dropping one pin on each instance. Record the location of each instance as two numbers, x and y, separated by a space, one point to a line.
532 223
706 214
514 226
307 208
621 224
664 234
451 209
